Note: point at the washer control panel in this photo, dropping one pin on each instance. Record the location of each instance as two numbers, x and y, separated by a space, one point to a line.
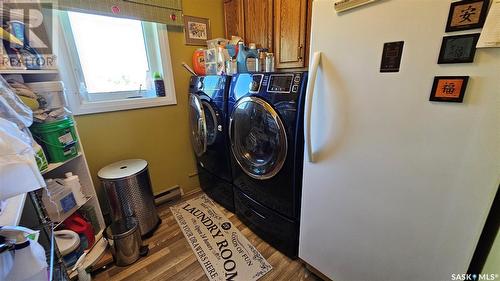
276 83
284 83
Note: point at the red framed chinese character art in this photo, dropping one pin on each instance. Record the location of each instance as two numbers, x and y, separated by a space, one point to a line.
466 15
449 88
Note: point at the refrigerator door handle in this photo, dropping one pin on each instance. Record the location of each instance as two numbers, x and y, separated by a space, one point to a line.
309 98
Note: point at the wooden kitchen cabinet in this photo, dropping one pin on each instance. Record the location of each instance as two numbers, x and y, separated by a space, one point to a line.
290 33
258 21
281 26
233 18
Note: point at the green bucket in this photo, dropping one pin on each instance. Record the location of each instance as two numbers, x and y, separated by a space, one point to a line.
58 138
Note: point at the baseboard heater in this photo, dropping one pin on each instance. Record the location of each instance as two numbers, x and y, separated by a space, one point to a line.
171 194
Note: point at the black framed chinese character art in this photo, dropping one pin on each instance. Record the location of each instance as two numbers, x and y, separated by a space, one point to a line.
458 49
449 88
467 14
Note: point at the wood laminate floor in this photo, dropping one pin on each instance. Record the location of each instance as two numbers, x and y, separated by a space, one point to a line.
171 258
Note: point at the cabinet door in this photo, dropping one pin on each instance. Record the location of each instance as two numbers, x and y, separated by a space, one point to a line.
290 33
259 23
234 18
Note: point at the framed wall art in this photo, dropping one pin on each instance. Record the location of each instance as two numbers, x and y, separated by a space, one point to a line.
197 30
391 56
458 49
467 14
449 88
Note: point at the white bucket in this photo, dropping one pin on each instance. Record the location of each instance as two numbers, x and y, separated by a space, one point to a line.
51 94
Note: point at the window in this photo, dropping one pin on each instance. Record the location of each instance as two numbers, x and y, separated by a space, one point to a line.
110 62
122 68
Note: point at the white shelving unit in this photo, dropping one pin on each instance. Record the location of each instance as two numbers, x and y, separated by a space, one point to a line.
13 210
52 166
77 165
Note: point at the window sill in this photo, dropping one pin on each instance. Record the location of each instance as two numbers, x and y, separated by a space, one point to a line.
119 105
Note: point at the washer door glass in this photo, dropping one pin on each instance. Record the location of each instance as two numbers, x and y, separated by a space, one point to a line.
198 126
258 138
210 122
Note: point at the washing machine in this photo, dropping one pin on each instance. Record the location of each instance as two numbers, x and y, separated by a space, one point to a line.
209 136
266 141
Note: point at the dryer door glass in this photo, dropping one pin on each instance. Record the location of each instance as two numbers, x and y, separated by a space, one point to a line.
197 125
258 138
210 122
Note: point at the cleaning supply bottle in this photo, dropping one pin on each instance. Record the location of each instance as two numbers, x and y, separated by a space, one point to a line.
252 58
262 59
29 261
84 229
199 62
73 182
159 84
57 199
241 59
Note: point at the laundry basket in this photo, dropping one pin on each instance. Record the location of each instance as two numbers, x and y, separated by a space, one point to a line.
128 189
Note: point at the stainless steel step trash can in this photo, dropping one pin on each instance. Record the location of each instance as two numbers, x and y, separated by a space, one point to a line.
128 189
125 240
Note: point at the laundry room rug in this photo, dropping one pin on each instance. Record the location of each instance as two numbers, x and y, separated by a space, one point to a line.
223 252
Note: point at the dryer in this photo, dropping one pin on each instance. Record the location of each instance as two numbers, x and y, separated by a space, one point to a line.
209 136
266 140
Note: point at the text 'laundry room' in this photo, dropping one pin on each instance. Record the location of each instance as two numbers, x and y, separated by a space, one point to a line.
352 140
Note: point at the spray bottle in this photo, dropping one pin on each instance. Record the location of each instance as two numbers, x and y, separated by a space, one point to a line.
27 256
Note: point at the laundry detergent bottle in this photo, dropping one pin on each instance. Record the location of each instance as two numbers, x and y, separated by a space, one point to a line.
84 229
73 183
29 261
241 59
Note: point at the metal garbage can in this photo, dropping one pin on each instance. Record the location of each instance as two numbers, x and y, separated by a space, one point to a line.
125 240
128 189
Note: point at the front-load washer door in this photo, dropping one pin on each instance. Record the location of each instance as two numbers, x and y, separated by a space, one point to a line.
203 123
198 126
211 123
258 138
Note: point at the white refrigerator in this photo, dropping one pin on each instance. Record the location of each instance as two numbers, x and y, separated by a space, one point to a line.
395 187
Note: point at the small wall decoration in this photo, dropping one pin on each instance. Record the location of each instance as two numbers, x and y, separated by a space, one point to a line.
458 49
449 88
467 14
391 56
196 30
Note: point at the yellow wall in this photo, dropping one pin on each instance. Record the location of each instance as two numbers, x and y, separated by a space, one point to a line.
158 135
